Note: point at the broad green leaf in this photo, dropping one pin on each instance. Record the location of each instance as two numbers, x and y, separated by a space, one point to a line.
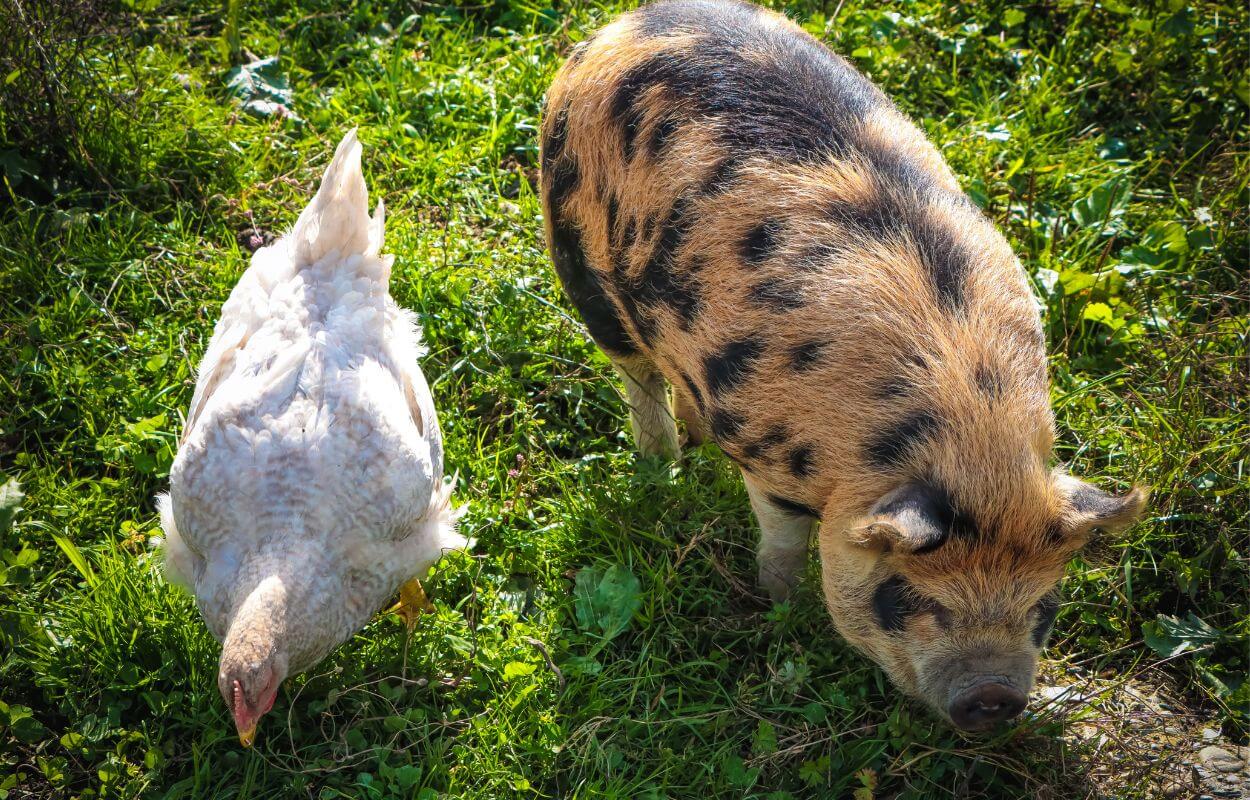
1074 281
605 600
1171 236
395 723
356 740
1100 312
144 428
1169 636
72 740
28 729
14 166
23 558
517 669
261 88
765 743
814 772
157 362
1108 201
11 495
582 665
736 772
407 776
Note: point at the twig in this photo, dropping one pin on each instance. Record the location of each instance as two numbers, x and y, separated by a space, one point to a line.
551 664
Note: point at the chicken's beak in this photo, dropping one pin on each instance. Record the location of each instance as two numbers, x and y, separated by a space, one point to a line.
244 720
247 735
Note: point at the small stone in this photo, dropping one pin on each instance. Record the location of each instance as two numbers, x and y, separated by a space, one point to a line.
1172 730
1210 734
1052 692
1218 758
1064 694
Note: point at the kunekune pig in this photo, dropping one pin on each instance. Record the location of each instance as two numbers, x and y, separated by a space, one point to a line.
737 212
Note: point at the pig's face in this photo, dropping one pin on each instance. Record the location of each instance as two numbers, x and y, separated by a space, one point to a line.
956 606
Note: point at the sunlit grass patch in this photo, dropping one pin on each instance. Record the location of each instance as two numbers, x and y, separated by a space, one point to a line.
604 637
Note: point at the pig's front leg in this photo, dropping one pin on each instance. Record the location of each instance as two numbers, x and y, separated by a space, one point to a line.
782 551
650 415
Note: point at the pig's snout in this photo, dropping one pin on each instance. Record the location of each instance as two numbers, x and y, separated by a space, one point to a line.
986 704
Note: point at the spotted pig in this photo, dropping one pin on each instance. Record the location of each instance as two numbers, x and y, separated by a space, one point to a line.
737 212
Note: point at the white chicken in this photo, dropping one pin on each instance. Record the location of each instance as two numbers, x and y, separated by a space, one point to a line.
308 484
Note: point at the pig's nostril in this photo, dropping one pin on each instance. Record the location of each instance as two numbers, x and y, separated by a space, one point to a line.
985 705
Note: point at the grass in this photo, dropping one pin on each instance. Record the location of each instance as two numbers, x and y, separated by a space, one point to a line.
603 638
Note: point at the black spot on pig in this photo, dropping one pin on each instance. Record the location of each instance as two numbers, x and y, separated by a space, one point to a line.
793 507
892 448
729 367
760 242
806 355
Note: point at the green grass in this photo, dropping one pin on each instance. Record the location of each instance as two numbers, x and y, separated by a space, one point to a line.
1109 142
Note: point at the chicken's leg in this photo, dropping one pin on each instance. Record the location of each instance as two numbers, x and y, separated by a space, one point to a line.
412 603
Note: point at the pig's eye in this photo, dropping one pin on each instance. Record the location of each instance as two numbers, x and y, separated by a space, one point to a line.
940 613
927 605
1046 610
894 601
891 603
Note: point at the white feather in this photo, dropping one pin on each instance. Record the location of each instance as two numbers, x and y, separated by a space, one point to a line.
312 449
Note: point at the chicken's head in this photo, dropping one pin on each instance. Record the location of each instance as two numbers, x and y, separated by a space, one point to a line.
249 683
255 655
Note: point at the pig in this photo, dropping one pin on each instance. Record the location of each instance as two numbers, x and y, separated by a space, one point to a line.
737 213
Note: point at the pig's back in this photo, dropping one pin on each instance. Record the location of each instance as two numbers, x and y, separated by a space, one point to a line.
730 200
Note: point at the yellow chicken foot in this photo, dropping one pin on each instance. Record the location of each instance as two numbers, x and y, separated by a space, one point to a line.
412 603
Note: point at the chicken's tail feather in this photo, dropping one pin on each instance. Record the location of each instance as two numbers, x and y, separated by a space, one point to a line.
448 518
337 219
436 534
177 560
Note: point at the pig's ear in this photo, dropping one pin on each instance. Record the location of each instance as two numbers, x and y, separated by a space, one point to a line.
1088 509
914 518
